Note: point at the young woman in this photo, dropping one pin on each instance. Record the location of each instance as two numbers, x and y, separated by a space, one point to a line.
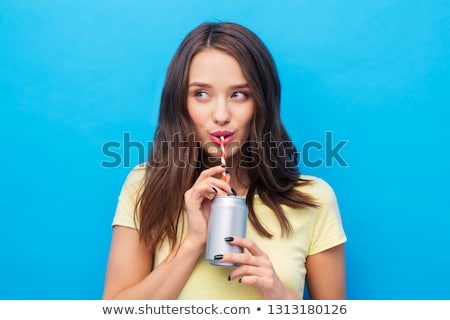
222 81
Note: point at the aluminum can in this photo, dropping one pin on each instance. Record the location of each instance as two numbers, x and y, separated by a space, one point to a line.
228 218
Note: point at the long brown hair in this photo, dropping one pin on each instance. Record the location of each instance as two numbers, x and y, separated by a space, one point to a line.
175 162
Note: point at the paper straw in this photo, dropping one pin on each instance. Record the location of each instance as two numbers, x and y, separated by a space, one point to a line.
222 157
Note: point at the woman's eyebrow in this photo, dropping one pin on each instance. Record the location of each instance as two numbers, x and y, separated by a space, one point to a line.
241 86
199 84
207 85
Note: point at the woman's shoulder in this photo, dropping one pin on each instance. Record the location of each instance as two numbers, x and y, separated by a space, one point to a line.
136 176
138 171
317 187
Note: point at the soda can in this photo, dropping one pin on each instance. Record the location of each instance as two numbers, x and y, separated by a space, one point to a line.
228 218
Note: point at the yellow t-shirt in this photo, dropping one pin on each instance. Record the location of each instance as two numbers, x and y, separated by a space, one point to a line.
314 230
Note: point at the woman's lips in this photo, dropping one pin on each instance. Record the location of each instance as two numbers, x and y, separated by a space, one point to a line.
215 137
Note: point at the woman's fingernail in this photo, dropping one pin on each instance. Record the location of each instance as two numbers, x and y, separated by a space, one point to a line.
228 239
234 192
218 257
229 278
240 280
227 169
214 189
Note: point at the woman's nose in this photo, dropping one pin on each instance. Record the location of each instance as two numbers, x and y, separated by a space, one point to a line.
221 114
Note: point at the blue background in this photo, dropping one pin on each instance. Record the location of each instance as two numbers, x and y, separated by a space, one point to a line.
75 75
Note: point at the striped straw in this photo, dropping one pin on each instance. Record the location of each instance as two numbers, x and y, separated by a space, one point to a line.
222 157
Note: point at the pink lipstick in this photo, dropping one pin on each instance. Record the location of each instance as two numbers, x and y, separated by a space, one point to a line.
227 135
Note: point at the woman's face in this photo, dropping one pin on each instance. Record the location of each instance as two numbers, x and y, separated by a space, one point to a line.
219 101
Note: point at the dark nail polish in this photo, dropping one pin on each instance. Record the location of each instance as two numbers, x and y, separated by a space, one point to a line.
214 189
227 169
228 239
218 257
240 280
229 278
234 192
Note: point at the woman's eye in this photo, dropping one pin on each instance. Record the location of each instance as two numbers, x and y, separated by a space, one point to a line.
240 95
201 94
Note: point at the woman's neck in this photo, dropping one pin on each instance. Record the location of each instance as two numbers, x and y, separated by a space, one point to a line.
239 180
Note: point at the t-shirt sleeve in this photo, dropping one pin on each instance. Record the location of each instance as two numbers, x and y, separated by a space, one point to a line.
328 229
125 210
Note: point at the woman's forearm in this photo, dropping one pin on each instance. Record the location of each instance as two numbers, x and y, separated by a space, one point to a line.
168 278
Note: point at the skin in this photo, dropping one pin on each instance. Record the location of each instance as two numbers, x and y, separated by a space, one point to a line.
218 99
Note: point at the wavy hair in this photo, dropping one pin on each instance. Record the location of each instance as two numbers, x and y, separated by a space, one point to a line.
175 160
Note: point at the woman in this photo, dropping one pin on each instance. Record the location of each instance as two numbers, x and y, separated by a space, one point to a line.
222 81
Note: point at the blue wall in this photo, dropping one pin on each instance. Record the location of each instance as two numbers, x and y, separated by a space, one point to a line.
75 75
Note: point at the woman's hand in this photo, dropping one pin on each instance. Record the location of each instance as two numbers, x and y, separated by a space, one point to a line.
256 269
198 201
